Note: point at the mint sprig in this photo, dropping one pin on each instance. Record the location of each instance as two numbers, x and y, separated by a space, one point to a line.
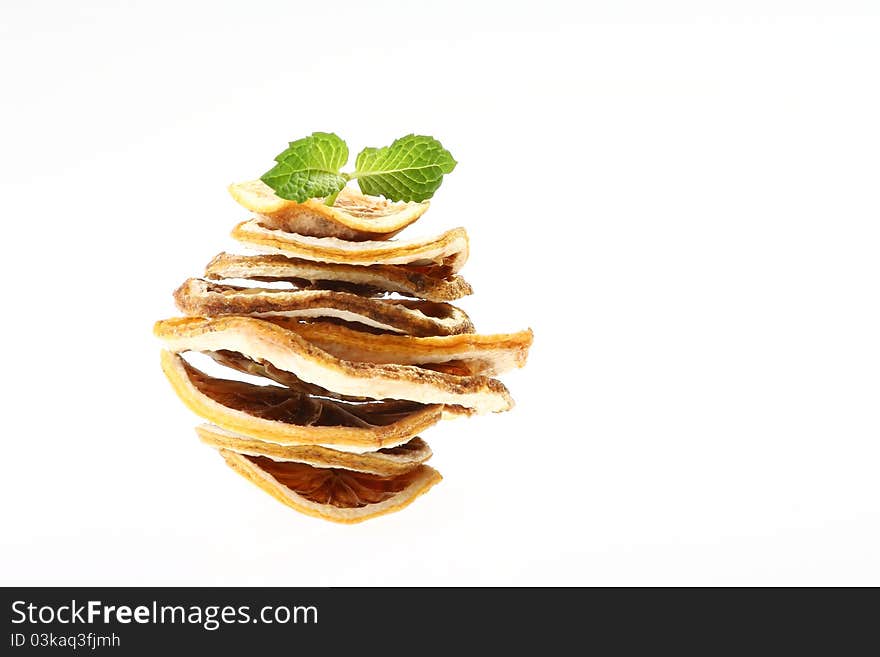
410 169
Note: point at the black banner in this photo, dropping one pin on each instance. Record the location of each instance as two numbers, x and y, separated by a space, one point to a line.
402 621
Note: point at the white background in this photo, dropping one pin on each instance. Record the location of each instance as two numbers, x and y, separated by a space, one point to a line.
681 202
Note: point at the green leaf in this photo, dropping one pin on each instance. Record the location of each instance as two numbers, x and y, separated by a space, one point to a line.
309 168
411 169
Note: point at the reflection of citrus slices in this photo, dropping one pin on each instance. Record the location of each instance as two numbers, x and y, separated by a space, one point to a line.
203 298
332 494
420 282
386 462
260 340
353 216
449 250
286 417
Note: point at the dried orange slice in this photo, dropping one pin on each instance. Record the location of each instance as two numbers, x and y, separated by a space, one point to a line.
467 354
198 297
386 462
333 494
287 417
419 282
353 216
261 341
448 251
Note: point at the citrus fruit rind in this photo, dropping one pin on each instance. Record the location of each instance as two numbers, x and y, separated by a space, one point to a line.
386 462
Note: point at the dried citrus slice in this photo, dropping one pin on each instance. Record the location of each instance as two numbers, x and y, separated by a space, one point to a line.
264 341
469 354
198 297
266 370
449 250
332 494
387 461
287 417
353 216
420 282
241 363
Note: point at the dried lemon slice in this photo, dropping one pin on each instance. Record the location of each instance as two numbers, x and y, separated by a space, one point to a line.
263 369
420 282
387 461
199 297
469 354
241 363
353 216
449 250
266 370
331 494
264 341
287 417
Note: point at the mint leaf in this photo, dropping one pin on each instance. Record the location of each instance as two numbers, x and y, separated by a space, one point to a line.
411 169
309 167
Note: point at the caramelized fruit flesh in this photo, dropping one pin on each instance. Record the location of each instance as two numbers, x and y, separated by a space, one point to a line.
339 488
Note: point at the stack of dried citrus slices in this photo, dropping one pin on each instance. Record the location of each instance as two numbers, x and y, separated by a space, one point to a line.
355 345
